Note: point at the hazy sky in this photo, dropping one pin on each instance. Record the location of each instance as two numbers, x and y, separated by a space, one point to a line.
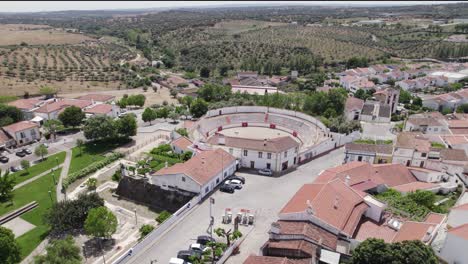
35 6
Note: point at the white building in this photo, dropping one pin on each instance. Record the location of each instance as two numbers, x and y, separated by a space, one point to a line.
200 175
23 132
52 110
411 149
181 145
277 154
427 123
452 77
353 108
375 112
111 110
455 247
458 215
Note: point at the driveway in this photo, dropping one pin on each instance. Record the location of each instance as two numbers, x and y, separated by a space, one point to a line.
265 196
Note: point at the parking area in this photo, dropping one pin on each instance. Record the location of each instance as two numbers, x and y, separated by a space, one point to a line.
263 196
378 131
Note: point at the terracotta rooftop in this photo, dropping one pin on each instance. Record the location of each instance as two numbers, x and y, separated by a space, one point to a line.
267 260
202 167
3 137
455 140
453 154
353 104
460 231
275 145
368 228
25 104
459 131
435 218
298 247
413 186
413 141
334 202
310 231
183 143
99 109
62 104
413 231
458 123
19 126
96 97
461 207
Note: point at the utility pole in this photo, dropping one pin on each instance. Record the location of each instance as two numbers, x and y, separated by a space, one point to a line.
212 201
136 219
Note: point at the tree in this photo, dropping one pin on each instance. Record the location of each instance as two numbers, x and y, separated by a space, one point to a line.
99 127
162 112
223 70
51 127
48 91
9 249
148 115
41 151
423 197
204 72
60 251
173 93
372 251
199 107
68 215
100 222
25 164
182 131
91 183
72 116
229 235
7 182
462 108
80 144
9 115
174 116
361 94
163 216
145 230
126 126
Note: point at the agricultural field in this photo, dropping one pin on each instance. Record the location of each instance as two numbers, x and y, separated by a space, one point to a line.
15 34
88 66
238 26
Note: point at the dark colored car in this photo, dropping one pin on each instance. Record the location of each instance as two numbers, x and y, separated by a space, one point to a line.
186 254
27 151
227 188
4 159
240 178
203 240
15 169
20 154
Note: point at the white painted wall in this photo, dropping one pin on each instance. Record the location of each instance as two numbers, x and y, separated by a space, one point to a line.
457 217
455 250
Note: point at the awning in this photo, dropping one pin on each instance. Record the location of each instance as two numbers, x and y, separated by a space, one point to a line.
37 119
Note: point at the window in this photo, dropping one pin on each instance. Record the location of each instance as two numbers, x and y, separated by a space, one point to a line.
260 154
231 151
225 174
268 155
217 181
285 154
423 155
359 158
33 132
207 189
245 152
183 179
22 135
268 165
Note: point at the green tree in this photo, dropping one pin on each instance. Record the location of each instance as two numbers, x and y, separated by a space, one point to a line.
182 131
91 183
148 115
52 126
72 116
173 93
60 251
48 91
163 216
7 182
25 164
145 230
41 151
361 94
405 97
462 108
199 107
9 115
80 144
229 235
100 223
99 127
9 249
372 251
126 126
204 72
162 112
423 197
413 251
174 116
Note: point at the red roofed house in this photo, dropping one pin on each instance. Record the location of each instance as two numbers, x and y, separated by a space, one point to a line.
353 108
454 249
111 110
52 110
27 106
23 132
181 145
200 174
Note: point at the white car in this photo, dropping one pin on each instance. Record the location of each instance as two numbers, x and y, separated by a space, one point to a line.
235 183
198 247
266 172
176 261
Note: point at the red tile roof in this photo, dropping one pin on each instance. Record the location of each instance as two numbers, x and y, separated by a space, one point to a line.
97 97
25 104
413 186
353 104
295 248
460 231
182 143
310 231
413 141
413 231
368 228
435 218
19 126
334 202
3 137
461 207
275 145
267 260
62 104
202 167
99 109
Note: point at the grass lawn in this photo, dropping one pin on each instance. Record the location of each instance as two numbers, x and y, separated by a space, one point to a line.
36 191
39 168
92 152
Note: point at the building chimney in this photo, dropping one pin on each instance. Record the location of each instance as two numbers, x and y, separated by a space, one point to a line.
221 139
203 160
310 208
264 142
335 204
347 180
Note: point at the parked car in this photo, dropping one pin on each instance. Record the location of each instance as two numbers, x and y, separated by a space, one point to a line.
203 240
186 254
198 248
177 261
20 153
45 145
266 172
27 151
235 183
15 169
4 159
227 188
240 178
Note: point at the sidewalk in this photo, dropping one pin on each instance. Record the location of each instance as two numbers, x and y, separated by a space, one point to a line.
19 185
63 174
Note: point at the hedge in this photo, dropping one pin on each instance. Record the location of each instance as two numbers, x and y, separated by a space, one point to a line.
91 168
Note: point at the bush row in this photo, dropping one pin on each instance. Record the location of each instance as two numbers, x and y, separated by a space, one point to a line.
91 168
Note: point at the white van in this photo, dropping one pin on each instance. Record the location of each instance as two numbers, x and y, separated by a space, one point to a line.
176 261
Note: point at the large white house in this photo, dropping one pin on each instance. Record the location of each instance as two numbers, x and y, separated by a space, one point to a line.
199 175
23 132
277 154
454 249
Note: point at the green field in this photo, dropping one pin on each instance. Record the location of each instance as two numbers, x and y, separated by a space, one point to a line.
36 191
49 163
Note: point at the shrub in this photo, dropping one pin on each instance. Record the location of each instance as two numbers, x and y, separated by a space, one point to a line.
117 176
145 230
163 216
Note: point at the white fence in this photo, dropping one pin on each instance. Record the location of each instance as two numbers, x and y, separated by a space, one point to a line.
158 231
336 140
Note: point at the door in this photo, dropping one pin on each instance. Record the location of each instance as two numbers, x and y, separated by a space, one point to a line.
421 164
252 164
408 162
285 166
268 166
359 158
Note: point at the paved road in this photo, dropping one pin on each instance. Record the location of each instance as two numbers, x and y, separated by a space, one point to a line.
63 174
264 195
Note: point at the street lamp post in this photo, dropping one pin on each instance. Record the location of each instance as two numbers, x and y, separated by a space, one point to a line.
136 219
53 177
50 195
56 159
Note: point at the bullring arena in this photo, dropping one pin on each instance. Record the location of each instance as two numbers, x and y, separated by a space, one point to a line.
256 122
